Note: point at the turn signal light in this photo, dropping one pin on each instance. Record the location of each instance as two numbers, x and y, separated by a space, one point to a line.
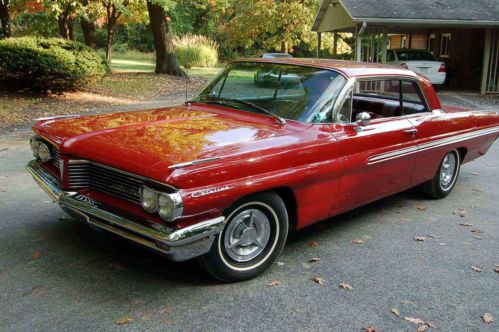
442 68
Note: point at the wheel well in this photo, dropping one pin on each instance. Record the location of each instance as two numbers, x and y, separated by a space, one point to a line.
462 153
289 200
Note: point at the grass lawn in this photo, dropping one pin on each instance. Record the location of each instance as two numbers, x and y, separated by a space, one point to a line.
133 61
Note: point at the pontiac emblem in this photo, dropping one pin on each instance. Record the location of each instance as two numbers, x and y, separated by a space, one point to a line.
209 191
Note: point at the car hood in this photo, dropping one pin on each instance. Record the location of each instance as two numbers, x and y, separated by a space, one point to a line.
135 141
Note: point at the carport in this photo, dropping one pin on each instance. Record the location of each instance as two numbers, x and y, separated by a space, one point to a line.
462 33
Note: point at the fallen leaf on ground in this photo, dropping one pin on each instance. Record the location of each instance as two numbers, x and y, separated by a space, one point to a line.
419 238
475 173
475 230
433 236
417 321
165 310
476 269
314 259
38 290
487 317
280 263
430 324
497 268
443 243
462 213
422 328
370 328
357 241
478 190
396 312
465 224
274 283
319 280
117 266
124 320
477 237
421 207
36 254
313 244
344 285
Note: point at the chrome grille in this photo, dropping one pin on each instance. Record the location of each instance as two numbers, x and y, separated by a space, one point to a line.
56 156
90 175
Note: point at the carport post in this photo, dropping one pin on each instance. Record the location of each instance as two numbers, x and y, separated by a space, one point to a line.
335 45
486 60
384 46
319 42
358 42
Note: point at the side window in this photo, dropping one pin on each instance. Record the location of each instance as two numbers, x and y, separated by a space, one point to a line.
390 56
379 98
412 99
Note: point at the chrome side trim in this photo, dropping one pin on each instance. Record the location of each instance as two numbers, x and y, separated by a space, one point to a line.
195 162
178 244
430 145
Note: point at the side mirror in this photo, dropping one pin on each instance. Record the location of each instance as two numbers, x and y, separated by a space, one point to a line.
363 119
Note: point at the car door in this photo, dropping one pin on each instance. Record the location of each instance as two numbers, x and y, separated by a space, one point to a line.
375 157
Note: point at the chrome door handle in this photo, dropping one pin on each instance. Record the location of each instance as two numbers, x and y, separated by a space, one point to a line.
412 131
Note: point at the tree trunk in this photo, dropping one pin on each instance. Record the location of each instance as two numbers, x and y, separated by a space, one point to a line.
166 59
5 18
109 42
65 23
88 28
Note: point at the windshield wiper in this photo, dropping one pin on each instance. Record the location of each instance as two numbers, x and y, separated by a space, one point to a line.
228 101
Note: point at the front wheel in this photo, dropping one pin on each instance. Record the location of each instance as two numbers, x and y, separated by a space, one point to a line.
445 178
252 239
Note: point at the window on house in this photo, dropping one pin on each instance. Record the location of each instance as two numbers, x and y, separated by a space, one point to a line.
431 43
445 45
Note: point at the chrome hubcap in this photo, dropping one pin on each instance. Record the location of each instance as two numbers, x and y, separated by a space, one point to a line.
448 170
247 235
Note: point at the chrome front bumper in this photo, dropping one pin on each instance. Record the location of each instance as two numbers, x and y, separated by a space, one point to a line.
178 245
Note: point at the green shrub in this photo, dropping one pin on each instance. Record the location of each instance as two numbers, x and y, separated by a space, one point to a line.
54 64
196 51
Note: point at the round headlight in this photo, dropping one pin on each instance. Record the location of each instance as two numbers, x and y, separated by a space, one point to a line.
170 206
149 200
165 207
35 147
44 152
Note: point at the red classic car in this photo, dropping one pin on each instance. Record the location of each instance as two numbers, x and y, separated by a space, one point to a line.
225 176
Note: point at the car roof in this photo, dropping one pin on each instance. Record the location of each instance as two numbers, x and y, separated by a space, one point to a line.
408 50
347 68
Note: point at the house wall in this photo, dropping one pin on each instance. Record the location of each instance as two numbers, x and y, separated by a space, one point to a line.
464 62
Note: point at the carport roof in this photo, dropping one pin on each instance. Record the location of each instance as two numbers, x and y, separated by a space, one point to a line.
445 12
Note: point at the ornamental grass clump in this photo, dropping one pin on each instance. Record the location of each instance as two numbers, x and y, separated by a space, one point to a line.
196 51
48 64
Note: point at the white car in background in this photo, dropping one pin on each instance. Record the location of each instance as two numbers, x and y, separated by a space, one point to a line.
419 61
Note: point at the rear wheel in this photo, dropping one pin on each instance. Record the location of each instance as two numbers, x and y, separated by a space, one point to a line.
445 178
253 237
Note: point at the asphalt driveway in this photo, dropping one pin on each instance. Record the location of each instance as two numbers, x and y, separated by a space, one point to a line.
58 274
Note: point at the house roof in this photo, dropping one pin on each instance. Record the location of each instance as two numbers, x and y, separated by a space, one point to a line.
459 12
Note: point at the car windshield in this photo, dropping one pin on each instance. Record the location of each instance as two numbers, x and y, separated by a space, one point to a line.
415 55
285 91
